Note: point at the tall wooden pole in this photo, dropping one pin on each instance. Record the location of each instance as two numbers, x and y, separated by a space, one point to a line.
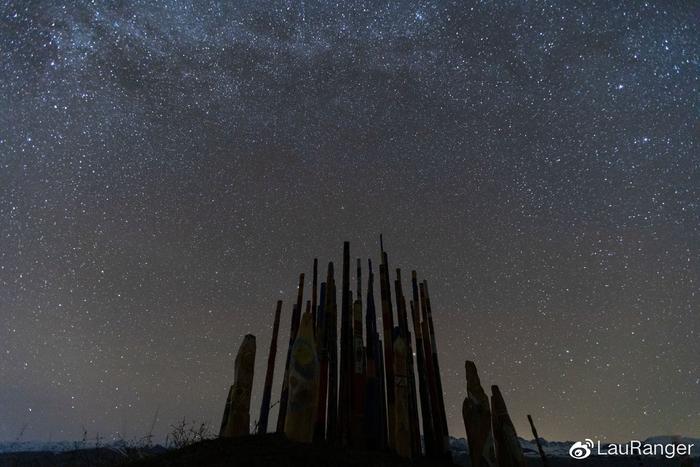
267 388
405 334
388 325
375 418
384 440
426 414
346 360
303 383
430 376
438 379
332 346
296 318
402 424
359 369
314 291
537 440
322 345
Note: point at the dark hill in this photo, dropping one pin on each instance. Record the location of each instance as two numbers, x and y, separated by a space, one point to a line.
274 450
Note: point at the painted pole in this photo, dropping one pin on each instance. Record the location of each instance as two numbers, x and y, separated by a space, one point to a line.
269 375
303 383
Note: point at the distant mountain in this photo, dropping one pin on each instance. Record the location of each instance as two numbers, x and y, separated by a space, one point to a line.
35 446
63 446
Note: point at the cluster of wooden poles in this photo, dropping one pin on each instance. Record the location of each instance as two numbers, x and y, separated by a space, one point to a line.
371 396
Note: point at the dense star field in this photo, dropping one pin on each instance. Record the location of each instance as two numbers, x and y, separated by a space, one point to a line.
168 168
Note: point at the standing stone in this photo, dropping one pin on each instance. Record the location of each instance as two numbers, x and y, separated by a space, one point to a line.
477 420
236 420
402 424
508 451
227 410
303 383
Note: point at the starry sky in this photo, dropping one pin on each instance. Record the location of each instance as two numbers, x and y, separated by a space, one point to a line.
168 168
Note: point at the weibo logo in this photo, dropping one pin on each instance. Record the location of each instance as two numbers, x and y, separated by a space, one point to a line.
581 450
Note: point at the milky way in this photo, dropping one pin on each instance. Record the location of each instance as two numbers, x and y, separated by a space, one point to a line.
168 168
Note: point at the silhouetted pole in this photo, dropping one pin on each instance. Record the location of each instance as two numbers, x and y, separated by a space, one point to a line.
314 291
388 325
359 372
438 379
346 354
236 421
476 413
384 441
508 450
332 346
375 416
358 275
296 317
537 440
227 410
410 377
426 415
267 389
303 383
402 423
430 375
322 346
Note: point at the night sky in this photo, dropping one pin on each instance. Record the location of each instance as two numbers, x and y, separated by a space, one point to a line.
167 169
